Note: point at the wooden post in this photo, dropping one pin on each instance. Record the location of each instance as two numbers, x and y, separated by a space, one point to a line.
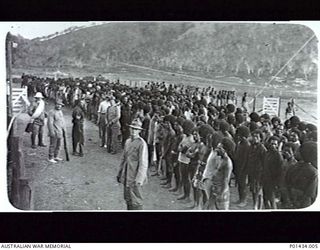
293 108
279 112
254 104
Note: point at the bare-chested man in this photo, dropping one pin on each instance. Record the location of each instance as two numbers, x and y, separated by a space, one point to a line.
218 171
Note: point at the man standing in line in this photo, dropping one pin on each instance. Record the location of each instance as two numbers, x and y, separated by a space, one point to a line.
255 163
37 114
113 126
102 119
245 103
271 175
125 118
218 170
77 129
133 167
56 127
240 166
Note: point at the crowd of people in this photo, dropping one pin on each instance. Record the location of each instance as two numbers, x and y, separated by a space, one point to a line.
199 141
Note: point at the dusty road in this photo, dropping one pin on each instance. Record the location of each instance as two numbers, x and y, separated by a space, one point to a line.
87 183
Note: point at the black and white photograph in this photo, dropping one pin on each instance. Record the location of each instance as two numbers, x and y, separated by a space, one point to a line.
161 116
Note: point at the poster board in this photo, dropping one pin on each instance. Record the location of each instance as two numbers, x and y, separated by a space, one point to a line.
271 106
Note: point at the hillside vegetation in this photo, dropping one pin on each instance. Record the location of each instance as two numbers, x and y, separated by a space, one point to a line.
209 49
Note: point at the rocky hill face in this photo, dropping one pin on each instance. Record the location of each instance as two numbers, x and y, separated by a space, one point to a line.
211 49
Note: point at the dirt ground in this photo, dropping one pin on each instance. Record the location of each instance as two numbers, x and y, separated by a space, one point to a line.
89 182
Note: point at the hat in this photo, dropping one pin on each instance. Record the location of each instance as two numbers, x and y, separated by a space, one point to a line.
58 101
38 95
136 124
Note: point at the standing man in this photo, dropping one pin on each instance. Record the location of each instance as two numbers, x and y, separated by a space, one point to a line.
76 94
133 167
102 119
245 103
56 127
125 118
272 170
240 166
302 178
255 163
37 114
218 170
77 129
113 126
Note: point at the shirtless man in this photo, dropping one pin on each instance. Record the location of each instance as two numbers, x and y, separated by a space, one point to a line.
218 171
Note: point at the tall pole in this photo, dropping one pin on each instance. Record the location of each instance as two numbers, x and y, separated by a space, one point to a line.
9 75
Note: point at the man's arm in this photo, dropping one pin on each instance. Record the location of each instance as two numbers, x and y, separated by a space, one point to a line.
122 163
50 124
117 118
99 112
143 163
207 173
227 169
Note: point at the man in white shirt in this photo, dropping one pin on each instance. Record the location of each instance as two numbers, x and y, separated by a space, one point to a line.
102 119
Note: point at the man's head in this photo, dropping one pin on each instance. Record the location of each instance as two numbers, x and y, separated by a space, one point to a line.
308 152
38 96
242 132
188 127
225 147
135 127
273 143
59 104
275 121
256 136
294 135
112 100
103 97
279 130
288 150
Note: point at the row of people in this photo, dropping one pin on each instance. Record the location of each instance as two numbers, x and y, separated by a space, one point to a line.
198 145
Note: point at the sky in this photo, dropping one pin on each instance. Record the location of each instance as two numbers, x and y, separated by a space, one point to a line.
32 30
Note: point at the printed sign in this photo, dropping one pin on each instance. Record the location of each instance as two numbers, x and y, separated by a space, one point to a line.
271 105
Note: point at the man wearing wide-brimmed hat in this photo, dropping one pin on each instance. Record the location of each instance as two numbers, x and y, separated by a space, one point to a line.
56 126
133 167
37 113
